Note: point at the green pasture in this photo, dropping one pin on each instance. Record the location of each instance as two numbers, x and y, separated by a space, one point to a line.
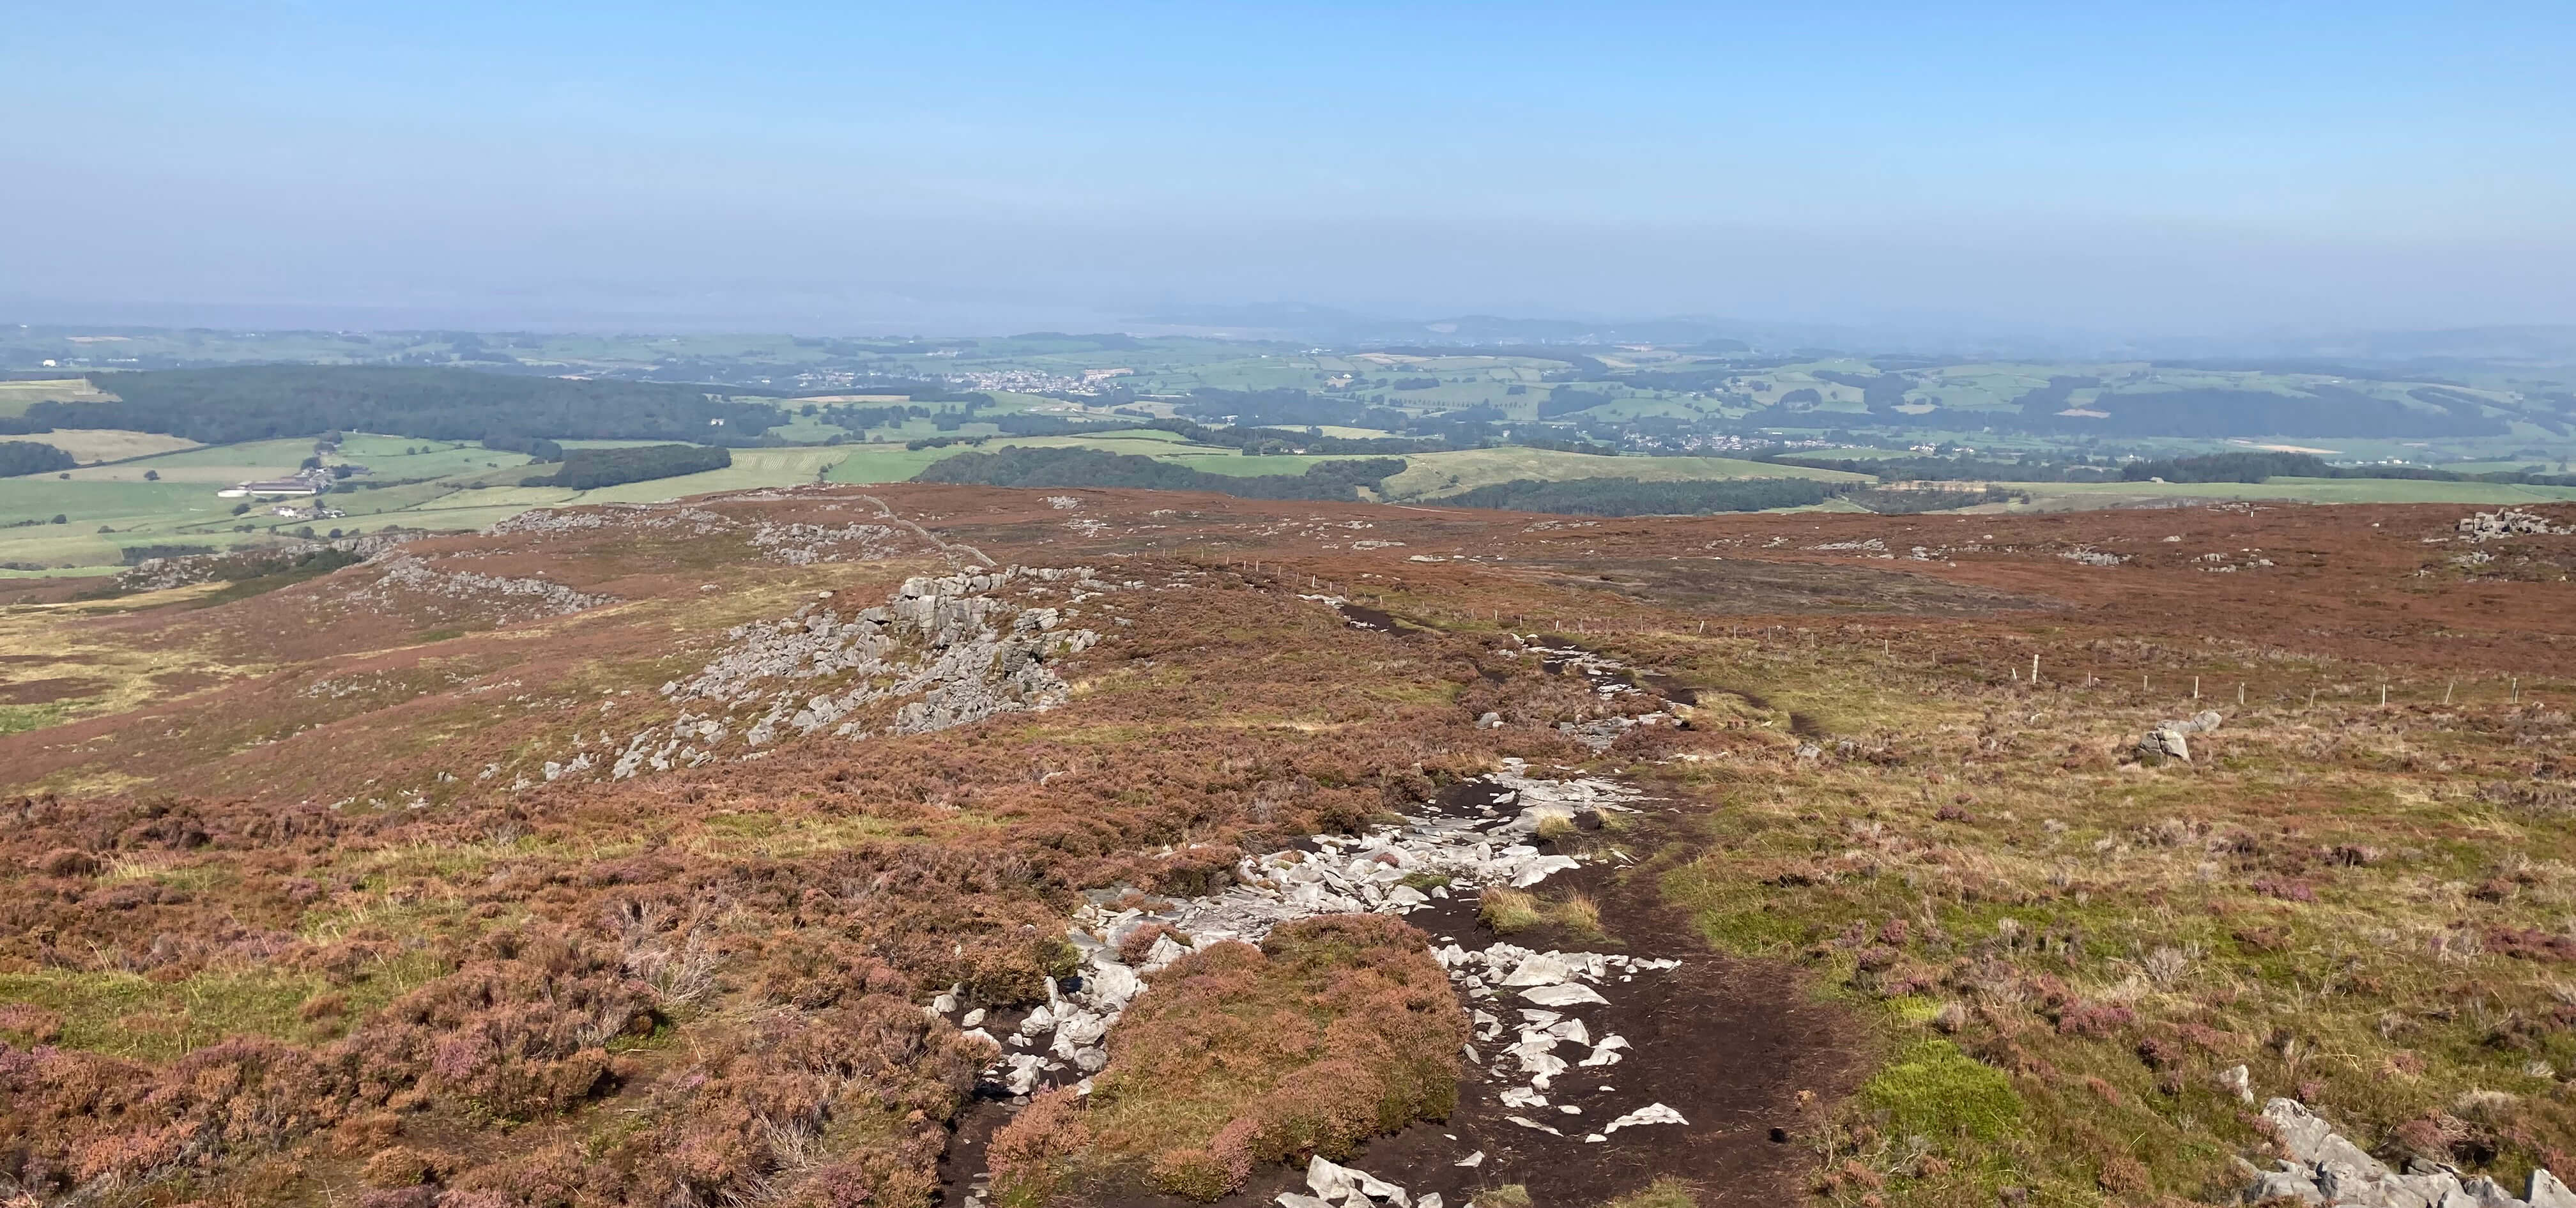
1430 475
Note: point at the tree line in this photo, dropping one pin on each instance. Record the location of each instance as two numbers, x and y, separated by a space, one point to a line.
1024 467
1632 497
31 457
2255 467
588 469
266 402
1251 440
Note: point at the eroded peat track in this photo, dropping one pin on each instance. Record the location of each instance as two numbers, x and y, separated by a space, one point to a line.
1603 1053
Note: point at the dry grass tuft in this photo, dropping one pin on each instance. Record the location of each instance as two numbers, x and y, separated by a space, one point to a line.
1578 913
1665 1192
1509 910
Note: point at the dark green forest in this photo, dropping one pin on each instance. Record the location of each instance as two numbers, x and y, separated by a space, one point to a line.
585 469
266 402
1630 497
1018 467
1953 469
29 457
2265 466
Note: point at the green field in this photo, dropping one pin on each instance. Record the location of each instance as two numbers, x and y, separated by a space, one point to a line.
15 396
1430 475
2076 496
148 490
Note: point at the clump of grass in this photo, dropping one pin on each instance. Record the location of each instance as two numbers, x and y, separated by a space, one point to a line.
1578 913
1509 1195
1514 910
1509 910
1555 829
1937 1091
1665 1192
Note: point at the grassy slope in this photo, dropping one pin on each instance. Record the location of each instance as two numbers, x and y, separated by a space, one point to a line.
2064 952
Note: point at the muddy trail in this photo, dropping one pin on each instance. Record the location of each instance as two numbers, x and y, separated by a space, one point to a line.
1561 655
1600 1059
1728 1044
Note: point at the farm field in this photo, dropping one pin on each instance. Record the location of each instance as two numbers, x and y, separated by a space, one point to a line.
2063 496
1661 406
459 486
14 396
109 444
1429 475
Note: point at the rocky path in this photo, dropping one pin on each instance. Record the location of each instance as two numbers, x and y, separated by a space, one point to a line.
1587 1068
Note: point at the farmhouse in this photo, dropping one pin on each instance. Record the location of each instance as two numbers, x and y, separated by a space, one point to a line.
310 482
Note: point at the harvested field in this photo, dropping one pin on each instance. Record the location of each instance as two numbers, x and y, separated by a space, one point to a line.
109 444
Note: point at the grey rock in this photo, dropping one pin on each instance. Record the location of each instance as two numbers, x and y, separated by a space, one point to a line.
2170 741
2483 1192
2281 1184
2303 1133
2322 1167
1326 1178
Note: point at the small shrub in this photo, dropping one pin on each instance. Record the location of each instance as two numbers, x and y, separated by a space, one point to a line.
2094 1020
1141 941
67 862
29 1024
1212 1171
396 1166
1030 1156
2124 1175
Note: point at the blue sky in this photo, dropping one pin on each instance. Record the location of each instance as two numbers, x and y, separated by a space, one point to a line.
2150 169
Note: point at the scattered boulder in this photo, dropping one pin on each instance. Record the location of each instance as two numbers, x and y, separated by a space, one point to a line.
2167 742
2319 1166
2489 526
2172 739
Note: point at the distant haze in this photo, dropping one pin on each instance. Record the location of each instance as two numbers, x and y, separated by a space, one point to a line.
2143 171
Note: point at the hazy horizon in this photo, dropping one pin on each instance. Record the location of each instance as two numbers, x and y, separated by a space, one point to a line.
2138 172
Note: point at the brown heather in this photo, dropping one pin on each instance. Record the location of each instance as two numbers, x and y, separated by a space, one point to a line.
268 935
